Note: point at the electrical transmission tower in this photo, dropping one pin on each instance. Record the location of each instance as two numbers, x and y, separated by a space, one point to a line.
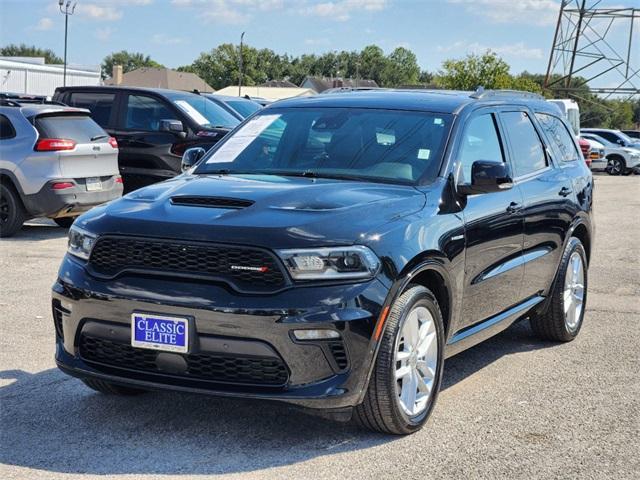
597 47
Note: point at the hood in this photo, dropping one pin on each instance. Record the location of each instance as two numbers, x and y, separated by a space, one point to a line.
267 211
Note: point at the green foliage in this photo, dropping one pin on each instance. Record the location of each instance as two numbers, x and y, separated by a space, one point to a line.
487 70
23 50
129 61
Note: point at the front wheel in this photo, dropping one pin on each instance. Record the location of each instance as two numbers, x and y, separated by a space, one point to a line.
406 377
563 317
616 166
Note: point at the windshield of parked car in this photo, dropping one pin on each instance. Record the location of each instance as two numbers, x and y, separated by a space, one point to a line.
245 108
205 113
359 144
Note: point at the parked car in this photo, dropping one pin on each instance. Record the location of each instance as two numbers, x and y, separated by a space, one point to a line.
55 162
620 160
613 136
633 134
239 106
332 252
153 127
585 148
597 155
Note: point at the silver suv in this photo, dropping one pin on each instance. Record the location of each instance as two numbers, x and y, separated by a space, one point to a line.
55 162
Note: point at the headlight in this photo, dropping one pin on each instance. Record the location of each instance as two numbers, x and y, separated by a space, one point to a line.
80 242
339 263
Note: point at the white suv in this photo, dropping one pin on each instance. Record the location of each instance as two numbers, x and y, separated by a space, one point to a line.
55 162
620 160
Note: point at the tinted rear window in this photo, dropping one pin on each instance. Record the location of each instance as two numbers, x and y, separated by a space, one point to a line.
80 128
100 104
6 129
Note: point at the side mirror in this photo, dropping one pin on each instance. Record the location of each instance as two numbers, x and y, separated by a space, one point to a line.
173 126
487 177
190 157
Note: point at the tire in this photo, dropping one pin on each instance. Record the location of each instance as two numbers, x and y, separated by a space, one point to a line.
616 166
382 409
553 323
64 222
109 388
12 214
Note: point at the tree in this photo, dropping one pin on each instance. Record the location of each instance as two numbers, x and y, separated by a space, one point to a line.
23 50
129 61
401 68
487 70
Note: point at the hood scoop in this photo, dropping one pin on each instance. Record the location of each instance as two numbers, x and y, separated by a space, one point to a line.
211 202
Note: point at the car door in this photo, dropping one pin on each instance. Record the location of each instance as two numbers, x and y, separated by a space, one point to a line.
493 227
145 150
548 195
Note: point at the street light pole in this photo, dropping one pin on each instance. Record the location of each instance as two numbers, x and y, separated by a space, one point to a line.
66 9
240 72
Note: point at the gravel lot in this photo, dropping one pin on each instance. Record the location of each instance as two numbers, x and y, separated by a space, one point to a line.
511 407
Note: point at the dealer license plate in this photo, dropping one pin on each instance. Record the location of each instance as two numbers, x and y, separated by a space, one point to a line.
159 332
93 184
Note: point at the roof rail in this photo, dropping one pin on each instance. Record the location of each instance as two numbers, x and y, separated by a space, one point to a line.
482 93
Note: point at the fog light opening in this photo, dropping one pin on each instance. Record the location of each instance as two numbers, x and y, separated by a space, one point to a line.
315 334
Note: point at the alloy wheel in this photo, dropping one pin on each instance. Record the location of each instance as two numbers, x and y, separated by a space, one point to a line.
573 292
614 167
416 361
5 210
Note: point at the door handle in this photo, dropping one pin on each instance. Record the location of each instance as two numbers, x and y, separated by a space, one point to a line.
514 207
564 192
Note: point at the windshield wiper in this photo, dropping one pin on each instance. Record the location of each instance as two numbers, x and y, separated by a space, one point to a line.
97 137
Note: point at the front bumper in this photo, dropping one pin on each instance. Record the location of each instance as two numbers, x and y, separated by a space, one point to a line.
71 201
240 328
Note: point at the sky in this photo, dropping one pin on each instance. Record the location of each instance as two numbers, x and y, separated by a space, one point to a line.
175 32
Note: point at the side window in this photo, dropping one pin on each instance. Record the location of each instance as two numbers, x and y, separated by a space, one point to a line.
528 151
6 129
555 130
99 104
145 113
479 142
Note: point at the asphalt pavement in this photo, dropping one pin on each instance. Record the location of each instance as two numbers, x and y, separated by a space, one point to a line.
511 407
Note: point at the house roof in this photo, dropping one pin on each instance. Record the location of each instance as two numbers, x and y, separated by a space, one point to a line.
279 83
320 84
163 78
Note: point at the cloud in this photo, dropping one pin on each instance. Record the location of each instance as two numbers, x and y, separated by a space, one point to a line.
106 13
341 10
529 12
103 33
162 39
316 42
512 50
233 12
44 24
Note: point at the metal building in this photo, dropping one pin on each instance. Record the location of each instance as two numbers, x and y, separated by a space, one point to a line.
33 76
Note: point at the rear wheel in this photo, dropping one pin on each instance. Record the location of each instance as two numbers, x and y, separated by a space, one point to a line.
12 214
562 320
406 377
109 388
616 166
64 222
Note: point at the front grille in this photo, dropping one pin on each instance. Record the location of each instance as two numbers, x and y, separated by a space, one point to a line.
211 202
246 268
263 371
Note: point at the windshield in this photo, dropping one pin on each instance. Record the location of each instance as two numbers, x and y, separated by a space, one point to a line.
359 144
245 108
205 113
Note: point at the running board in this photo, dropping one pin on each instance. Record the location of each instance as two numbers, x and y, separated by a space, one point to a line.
474 334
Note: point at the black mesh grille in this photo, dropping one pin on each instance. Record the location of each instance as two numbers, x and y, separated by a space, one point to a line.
246 268
265 371
339 354
211 202
57 318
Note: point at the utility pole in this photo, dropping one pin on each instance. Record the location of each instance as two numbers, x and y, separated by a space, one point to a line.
240 70
67 10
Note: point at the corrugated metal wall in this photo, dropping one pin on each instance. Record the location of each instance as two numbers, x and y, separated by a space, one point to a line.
39 81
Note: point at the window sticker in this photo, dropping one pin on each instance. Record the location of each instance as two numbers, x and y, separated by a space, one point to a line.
192 112
438 121
240 140
424 153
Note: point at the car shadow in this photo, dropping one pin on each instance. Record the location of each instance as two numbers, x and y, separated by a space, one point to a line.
37 230
54 423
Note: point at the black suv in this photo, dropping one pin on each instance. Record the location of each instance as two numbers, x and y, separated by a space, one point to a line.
332 251
153 127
